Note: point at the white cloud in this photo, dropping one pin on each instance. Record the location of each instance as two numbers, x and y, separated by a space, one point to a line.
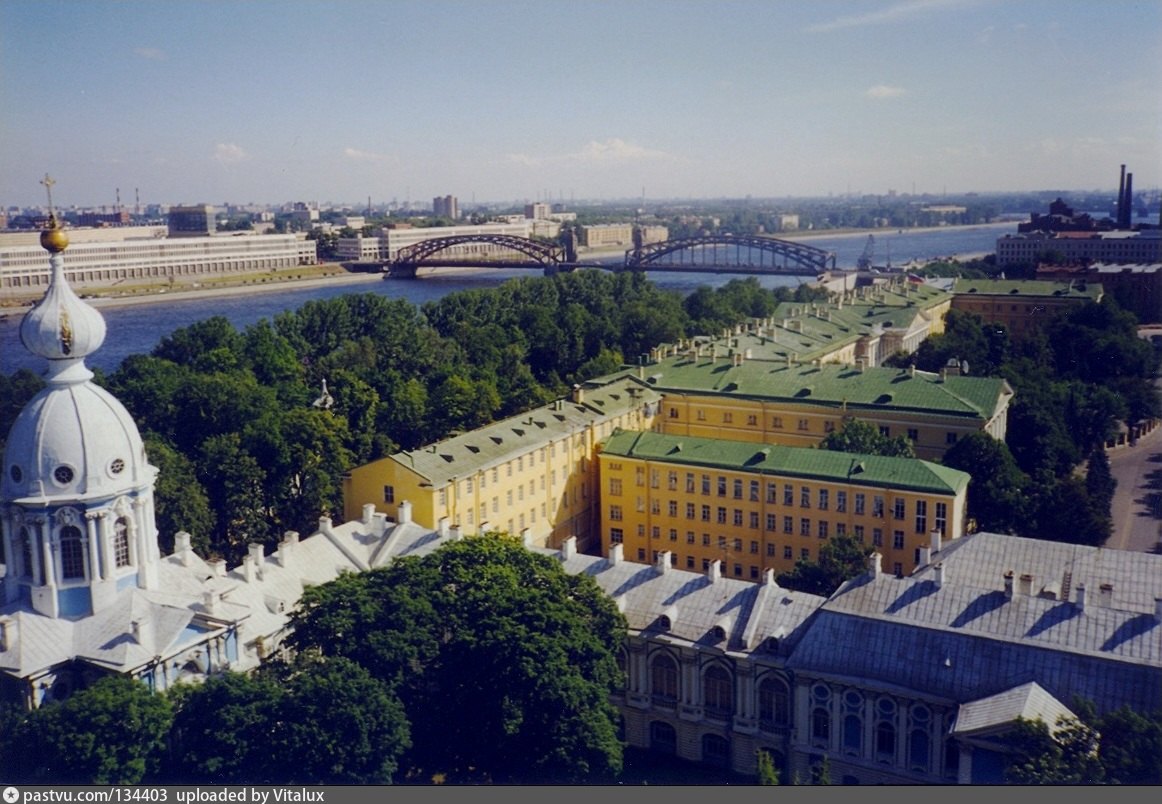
880 91
228 153
611 151
893 13
151 53
364 156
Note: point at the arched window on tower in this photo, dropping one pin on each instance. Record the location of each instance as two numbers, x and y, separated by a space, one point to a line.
72 553
774 703
26 565
718 692
121 541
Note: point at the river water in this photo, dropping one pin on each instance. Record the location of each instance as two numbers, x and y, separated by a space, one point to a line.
138 328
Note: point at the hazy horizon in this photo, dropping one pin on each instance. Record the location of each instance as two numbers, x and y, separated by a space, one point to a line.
501 101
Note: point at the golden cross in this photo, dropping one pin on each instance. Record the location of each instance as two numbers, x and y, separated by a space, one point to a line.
48 181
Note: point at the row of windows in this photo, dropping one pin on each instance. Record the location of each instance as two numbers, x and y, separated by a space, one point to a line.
803 425
72 552
754 520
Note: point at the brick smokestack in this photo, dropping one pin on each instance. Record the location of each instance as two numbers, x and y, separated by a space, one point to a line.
1121 197
1128 207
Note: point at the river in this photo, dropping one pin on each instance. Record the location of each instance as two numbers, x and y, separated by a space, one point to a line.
138 328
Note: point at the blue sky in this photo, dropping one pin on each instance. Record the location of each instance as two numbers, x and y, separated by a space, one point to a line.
336 100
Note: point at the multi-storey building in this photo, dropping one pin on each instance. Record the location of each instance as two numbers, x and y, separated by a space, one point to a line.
1120 246
537 211
101 261
1137 288
862 326
447 206
192 221
712 395
1021 306
531 474
764 507
603 235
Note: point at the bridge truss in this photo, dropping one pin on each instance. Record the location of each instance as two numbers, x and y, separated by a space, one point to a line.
745 254
456 251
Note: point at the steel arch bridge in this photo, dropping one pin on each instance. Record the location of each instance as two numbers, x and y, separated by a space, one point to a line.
427 254
731 254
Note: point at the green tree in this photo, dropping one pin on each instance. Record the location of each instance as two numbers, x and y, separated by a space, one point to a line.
504 661
112 732
840 559
767 773
863 438
1131 747
1066 754
180 501
996 491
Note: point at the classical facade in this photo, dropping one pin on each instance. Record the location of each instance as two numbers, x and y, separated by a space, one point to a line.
764 507
1121 246
532 474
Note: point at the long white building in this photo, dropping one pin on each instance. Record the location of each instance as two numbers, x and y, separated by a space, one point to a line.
99 257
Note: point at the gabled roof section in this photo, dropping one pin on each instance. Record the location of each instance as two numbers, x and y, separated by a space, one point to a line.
1029 701
498 442
832 385
805 462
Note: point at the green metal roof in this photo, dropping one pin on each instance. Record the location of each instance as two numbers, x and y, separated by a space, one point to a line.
1037 288
831 385
811 463
493 444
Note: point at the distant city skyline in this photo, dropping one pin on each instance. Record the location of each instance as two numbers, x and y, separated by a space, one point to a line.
339 101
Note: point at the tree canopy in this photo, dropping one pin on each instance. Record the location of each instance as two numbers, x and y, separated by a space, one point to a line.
503 661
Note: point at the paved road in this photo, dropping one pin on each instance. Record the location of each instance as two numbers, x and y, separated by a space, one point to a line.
1137 506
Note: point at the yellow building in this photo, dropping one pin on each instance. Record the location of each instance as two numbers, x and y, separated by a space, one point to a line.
1021 306
709 395
764 507
530 475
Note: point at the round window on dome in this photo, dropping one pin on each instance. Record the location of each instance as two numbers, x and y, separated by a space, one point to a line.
63 474
117 466
16 473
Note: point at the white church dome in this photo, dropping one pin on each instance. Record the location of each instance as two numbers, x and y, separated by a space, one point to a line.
73 441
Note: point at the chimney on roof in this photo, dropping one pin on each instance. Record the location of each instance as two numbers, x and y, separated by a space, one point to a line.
252 563
456 534
404 514
181 547
569 547
1105 594
368 512
442 527
936 540
875 566
1025 584
616 553
1128 212
7 634
578 394
286 547
714 572
925 555
1080 602
1158 609
663 564
210 600
938 574
137 632
1009 584
768 577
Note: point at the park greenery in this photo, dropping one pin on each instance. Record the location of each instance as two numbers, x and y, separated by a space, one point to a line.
480 662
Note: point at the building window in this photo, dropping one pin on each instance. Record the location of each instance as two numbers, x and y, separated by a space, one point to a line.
804 527
822 529
950 438
886 432
752 420
772 522
705 539
788 524
721 486
72 554
770 550
804 497
921 516
689 562
941 516
788 553
885 730
615 486
852 723
737 517
727 417
913 435
673 534
772 492
673 413
736 486
121 541
705 484
805 553
614 512
878 507
706 513
898 508
859 504
689 510
718 692
777 422
672 481
841 502
824 502
655 506
788 494
689 482
859 532
616 536
664 680
803 425
820 715
774 704
689 537
655 532
701 415
672 508
721 515
877 537
754 520
389 494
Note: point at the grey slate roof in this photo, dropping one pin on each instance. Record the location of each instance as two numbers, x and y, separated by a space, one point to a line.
1028 701
964 639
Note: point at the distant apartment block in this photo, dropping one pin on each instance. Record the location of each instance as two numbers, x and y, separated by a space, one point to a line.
653 233
537 211
191 221
1067 247
1136 287
446 207
602 235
